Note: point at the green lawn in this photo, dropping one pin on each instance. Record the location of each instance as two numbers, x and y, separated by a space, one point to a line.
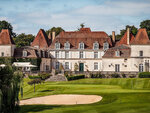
119 96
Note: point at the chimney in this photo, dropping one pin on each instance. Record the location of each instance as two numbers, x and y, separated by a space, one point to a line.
113 36
53 36
128 36
49 36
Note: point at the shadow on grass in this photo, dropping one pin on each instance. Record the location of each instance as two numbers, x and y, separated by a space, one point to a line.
34 108
46 90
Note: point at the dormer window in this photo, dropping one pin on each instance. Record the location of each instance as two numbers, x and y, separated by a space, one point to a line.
24 53
96 46
117 53
57 45
105 46
67 45
81 45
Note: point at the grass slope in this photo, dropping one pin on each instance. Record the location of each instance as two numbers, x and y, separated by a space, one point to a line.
119 96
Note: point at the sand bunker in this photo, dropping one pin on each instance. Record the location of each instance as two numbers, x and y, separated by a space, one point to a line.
62 100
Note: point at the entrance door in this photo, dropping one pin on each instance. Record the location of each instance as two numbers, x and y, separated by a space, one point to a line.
117 68
81 67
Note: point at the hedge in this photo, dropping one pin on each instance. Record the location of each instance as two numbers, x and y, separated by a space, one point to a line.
144 75
76 77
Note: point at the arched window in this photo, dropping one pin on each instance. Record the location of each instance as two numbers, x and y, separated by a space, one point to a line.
81 45
141 68
105 46
57 45
96 46
67 45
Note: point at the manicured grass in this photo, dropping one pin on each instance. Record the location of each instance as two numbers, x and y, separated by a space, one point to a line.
119 96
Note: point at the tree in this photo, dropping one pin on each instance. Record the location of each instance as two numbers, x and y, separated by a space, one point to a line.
57 30
133 30
146 24
82 25
10 83
76 67
34 81
23 40
5 25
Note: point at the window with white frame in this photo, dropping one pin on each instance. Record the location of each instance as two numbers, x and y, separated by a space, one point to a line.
67 45
95 54
105 46
24 53
81 54
96 46
2 54
57 45
66 65
81 45
66 54
141 68
117 53
57 65
57 54
95 65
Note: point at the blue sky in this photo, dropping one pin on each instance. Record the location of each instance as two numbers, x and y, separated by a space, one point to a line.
28 16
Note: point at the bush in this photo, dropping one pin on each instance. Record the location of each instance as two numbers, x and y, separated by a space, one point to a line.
76 77
44 76
144 75
34 77
115 75
97 75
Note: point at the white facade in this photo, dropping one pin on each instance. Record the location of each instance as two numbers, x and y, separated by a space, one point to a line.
7 50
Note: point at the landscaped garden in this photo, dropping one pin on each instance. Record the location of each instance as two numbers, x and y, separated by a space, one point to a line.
120 95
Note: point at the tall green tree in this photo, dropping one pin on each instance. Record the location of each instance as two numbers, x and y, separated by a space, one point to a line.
57 30
133 30
23 40
6 25
146 24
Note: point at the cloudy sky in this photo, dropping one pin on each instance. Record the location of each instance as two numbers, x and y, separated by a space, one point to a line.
28 16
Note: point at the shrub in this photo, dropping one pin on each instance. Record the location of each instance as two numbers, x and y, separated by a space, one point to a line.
97 75
44 76
144 75
75 77
34 77
115 75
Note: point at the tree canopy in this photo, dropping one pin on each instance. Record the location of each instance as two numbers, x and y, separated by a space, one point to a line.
5 25
23 40
146 24
57 30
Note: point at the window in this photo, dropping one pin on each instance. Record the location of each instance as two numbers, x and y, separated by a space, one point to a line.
67 45
66 65
57 54
2 54
117 53
57 65
57 45
140 67
105 46
67 54
81 45
95 65
43 53
96 46
81 54
95 54
24 53
141 53
117 68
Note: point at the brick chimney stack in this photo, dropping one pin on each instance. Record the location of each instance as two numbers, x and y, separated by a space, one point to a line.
113 36
53 36
128 36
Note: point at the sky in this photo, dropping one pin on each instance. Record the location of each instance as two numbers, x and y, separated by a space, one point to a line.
28 16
